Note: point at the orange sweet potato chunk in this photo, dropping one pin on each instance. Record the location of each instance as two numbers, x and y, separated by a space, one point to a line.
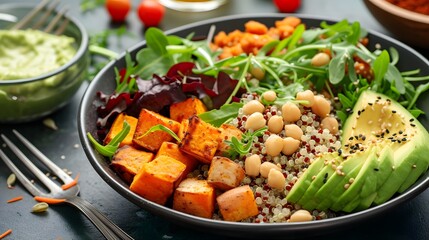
172 150
195 197
153 140
117 126
227 131
128 160
237 204
157 179
225 173
200 139
183 110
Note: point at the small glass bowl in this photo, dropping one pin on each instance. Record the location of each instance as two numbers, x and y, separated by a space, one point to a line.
25 100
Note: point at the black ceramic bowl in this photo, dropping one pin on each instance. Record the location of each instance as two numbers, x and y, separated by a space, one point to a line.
104 81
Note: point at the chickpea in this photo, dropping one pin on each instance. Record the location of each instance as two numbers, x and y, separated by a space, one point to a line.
252 107
301 216
275 124
307 95
269 96
321 106
252 165
274 145
331 124
266 167
255 121
320 59
291 112
276 179
292 130
290 145
256 70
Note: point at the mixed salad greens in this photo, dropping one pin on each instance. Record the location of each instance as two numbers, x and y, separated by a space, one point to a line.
194 63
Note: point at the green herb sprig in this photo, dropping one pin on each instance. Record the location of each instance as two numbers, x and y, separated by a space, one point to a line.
109 149
242 147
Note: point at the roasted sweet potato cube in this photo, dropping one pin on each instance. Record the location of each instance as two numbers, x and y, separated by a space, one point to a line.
117 126
153 140
157 179
237 204
172 150
195 197
227 131
200 139
183 110
225 173
182 128
128 160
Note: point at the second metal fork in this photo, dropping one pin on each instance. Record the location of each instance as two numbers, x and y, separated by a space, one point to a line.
70 195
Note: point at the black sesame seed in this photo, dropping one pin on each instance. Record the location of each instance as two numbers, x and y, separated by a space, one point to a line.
413 125
325 178
393 111
376 169
412 120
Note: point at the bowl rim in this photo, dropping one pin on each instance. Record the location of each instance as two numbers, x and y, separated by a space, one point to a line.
400 12
240 229
81 51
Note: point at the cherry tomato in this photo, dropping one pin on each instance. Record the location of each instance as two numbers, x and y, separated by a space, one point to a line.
150 12
287 6
118 9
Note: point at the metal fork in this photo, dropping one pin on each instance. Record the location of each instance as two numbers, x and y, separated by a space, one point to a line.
40 19
105 225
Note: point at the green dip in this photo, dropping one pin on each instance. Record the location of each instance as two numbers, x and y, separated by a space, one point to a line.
31 53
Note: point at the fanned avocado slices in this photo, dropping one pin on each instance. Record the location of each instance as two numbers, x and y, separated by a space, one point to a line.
384 151
316 180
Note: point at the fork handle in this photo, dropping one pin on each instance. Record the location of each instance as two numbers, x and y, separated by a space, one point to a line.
109 229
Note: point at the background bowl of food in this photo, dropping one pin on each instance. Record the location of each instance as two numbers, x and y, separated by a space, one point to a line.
40 71
407 20
120 173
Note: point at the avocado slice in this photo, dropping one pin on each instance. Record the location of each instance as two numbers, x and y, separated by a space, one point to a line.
304 181
329 160
363 190
377 119
365 183
344 174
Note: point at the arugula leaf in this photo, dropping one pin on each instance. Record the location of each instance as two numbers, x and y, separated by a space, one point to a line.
217 117
380 67
110 149
337 68
160 127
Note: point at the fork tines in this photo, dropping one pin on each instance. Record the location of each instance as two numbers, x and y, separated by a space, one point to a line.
41 14
36 171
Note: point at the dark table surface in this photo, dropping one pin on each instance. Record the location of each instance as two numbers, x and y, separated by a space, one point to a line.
407 221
